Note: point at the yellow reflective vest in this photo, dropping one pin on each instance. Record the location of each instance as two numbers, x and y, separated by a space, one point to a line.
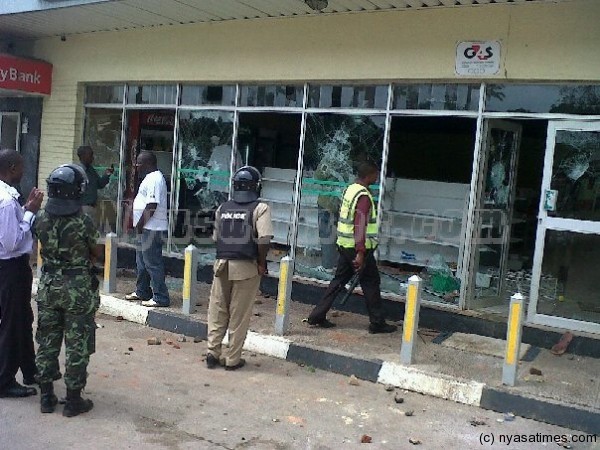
345 228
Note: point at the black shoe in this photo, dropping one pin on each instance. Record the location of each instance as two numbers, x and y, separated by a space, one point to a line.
383 328
48 400
239 365
76 405
15 390
322 324
211 361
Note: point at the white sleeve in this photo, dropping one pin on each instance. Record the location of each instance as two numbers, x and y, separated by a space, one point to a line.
154 190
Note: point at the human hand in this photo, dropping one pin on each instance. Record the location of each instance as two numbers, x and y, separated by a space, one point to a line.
34 201
110 170
359 261
262 269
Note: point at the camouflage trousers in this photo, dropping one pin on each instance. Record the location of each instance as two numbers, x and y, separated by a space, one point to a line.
66 309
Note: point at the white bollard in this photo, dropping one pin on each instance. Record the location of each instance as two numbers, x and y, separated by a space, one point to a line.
513 340
190 271
284 293
410 326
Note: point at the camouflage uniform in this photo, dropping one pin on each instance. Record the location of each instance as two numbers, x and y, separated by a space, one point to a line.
67 297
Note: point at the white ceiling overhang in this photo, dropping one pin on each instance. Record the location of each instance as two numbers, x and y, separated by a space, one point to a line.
115 15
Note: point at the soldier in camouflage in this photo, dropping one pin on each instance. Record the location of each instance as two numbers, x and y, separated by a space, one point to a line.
68 290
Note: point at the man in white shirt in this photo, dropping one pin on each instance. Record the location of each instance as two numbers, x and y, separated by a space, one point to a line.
150 221
16 241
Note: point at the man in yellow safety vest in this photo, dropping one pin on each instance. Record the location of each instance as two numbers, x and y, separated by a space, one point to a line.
356 242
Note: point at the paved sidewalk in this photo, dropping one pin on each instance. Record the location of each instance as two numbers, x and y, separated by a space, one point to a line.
567 393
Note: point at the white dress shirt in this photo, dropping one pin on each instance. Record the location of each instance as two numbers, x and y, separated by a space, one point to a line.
15 224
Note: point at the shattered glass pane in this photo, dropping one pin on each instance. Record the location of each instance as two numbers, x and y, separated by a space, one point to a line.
575 174
103 134
494 213
203 173
335 144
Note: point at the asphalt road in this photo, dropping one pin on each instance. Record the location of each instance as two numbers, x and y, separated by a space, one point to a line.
163 397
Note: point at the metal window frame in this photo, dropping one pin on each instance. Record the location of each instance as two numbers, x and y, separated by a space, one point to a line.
480 115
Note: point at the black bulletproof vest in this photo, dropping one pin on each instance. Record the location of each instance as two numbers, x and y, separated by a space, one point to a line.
236 234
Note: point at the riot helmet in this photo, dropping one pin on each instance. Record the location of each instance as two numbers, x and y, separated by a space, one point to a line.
66 184
246 185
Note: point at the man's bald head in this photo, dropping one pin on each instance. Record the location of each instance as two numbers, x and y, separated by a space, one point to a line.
146 157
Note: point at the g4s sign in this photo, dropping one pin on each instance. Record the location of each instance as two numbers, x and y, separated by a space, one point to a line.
477 58
477 51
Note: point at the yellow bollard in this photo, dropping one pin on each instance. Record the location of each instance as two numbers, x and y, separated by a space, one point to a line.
110 263
410 325
286 272
513 340
190 270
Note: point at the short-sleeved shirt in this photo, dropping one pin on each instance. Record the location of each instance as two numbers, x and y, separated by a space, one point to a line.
66 241
153 189
244 269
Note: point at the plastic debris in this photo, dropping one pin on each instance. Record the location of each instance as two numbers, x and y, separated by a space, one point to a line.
353 381
154 341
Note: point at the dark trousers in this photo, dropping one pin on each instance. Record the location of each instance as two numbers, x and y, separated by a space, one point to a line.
16 320
369 281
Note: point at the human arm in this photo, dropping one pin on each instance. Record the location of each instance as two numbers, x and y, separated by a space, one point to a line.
147 214
361 220
16 222
264 233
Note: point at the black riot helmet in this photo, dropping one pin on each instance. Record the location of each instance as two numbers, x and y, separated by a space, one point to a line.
246 185
66 185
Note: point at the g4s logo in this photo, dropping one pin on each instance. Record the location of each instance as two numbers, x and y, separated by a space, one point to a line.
478 51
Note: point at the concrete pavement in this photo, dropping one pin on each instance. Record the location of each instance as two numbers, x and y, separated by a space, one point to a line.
566 394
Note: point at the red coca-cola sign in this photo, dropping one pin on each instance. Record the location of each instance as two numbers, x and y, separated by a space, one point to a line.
158 119
25 75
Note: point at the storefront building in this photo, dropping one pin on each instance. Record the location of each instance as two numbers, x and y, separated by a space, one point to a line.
23 84
484 119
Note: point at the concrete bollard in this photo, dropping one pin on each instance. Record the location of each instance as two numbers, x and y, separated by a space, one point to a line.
38 269
513 340
284 293
190 271
410 327
110 263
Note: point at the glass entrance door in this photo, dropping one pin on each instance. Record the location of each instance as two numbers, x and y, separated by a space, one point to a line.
493 217
9 130
565 287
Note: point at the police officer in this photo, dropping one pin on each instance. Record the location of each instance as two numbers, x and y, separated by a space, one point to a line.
243 232
68 290
357 240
